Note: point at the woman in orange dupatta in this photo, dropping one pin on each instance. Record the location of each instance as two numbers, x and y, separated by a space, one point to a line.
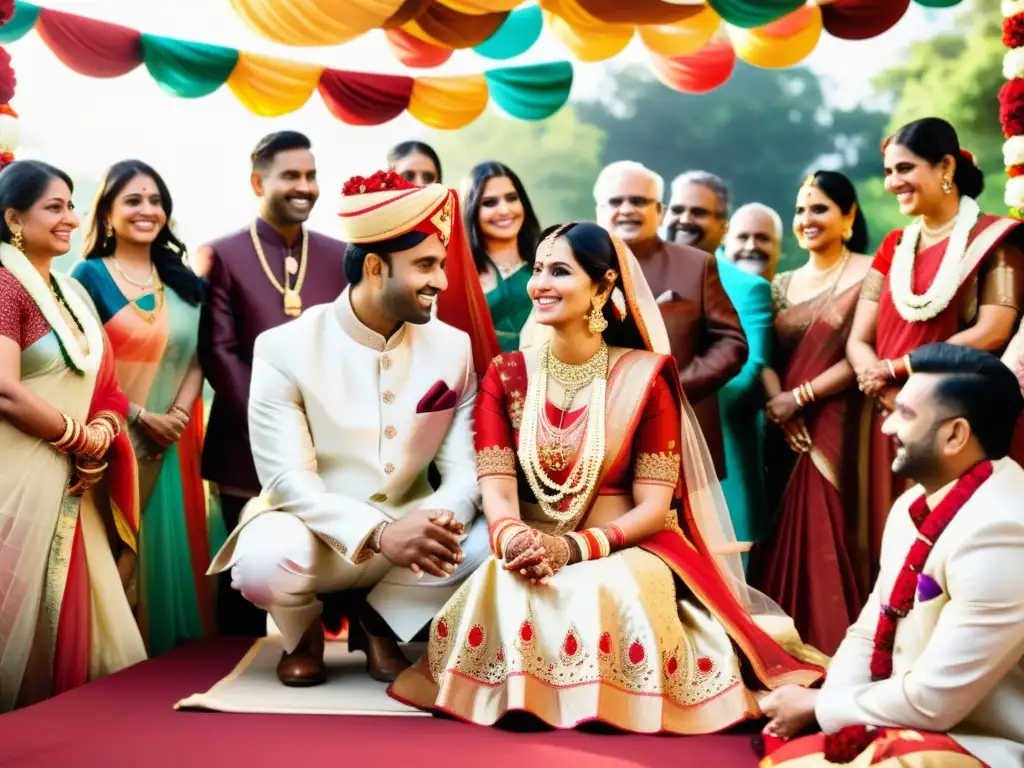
952 275
813 399
64 616
577 615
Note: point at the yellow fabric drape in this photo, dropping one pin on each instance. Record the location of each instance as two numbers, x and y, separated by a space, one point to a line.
448 102
314 22
683 37
590 43
766 47
482 6
271 87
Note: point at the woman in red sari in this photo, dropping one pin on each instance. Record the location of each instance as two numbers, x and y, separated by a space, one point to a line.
599 493
812 393
64 615
952 275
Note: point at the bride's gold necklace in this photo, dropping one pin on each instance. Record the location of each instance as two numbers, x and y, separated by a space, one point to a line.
292 299
584 474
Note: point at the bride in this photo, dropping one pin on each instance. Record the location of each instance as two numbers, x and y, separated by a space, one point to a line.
612 593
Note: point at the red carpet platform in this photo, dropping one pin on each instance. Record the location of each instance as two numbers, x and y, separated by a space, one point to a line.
128 720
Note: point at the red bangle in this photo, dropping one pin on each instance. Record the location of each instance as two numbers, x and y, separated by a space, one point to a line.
616 536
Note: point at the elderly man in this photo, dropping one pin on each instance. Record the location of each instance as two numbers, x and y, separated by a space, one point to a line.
704 330
939 646
698 212
753 242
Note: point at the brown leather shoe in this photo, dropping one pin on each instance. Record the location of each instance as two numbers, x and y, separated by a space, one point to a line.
304 667
384 659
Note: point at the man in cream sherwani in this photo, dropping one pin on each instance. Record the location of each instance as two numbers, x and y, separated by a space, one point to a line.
956 659
349 405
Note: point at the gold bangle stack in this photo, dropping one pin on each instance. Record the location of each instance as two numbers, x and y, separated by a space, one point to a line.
804 394
502 532
592 543
71 441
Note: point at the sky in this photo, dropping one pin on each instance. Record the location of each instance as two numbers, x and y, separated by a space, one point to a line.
201 146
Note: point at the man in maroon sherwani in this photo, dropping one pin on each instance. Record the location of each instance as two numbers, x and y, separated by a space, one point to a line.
260 277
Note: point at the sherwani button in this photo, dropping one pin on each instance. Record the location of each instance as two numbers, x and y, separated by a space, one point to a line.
385 362
388 397
379 498
389 468
390 432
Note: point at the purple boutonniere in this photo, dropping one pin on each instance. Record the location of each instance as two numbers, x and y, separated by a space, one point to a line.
927 588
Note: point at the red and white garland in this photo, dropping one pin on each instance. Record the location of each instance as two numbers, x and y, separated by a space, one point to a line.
1011 104
9 134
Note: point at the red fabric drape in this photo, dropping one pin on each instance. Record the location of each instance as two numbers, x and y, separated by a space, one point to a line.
72 645
463 304
122 473
90 47
414 52
360 98
862 19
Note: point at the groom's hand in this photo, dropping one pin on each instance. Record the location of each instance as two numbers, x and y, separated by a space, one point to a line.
419 543
446 519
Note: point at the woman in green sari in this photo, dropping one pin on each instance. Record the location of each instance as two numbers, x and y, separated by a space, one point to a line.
503 235
149 300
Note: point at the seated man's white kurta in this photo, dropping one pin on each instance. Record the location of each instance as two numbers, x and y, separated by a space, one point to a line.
349 406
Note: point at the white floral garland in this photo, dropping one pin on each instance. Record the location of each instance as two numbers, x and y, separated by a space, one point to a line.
916 308
15 261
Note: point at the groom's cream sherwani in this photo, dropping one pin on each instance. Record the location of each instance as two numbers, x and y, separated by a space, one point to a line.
344 425
957 665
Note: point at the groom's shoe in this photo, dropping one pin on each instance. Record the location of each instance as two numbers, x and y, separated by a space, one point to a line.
384 658
304 666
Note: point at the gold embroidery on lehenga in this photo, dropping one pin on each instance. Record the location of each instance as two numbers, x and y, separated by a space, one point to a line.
660 467
495 460
515 409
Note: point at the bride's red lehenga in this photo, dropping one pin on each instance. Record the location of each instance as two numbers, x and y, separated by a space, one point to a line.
649 639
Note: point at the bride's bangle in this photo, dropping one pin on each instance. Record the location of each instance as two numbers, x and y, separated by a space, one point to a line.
502 531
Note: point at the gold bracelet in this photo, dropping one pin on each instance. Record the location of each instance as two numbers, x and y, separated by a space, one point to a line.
65 440
909 367
798 396
808 391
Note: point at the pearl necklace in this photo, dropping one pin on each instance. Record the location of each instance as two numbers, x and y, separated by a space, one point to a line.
584 474
917 308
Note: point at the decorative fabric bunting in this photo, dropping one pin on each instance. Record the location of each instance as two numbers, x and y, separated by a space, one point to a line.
697 73
1011 105
422 33
272 87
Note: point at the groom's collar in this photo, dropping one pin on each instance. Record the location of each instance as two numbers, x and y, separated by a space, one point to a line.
359 332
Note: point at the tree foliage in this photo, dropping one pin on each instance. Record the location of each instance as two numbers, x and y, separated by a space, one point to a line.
762 132
557 159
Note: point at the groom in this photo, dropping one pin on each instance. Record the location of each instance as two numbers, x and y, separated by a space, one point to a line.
940 644
349 405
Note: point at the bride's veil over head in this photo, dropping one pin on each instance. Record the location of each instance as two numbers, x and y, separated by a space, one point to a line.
703 490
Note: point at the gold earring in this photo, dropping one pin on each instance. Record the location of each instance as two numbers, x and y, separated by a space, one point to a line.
108 230
18 240
596 322
848 235
947 187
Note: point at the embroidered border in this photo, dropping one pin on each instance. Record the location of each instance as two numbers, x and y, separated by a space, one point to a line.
657 467
495 460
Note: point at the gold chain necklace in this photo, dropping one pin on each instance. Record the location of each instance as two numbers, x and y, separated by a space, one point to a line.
573 378
145 286
292 298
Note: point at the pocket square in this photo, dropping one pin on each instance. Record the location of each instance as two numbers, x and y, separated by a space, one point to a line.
438 398
927 588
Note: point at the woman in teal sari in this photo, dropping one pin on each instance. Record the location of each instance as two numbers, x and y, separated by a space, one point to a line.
149 300
503 236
